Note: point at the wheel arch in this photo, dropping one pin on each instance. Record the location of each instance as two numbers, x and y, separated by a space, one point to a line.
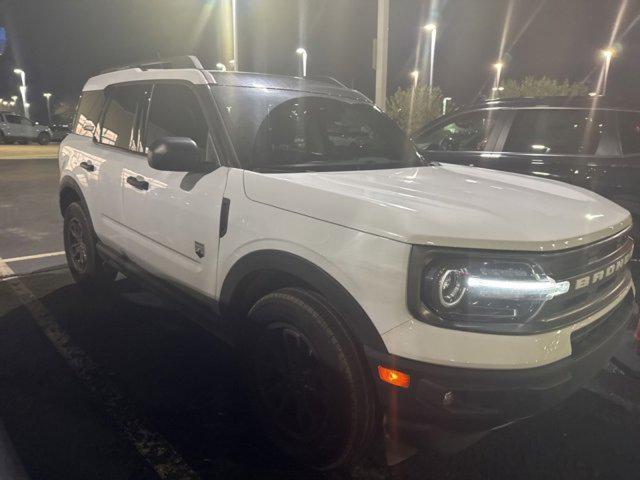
262 271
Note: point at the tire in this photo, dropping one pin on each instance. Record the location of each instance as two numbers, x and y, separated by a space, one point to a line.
44 138
87 268
310 386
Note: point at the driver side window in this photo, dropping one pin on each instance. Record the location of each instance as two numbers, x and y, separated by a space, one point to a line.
468 132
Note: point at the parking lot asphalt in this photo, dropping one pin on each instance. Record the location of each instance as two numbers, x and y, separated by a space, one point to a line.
121 385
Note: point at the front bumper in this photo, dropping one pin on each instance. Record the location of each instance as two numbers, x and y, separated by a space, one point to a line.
449 407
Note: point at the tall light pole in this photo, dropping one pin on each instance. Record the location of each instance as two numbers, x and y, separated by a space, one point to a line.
47 96
607 54
221 66
303 56
382 51
431 28
445 102
23 90
234 30
498 66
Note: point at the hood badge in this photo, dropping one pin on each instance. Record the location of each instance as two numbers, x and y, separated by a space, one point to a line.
199 248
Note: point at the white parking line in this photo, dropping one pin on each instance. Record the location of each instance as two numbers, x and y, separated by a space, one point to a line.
153 447
33 257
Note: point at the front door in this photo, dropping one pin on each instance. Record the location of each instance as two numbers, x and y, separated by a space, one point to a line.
173 218
462 139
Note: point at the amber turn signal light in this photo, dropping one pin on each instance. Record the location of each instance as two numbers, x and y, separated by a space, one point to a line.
394 377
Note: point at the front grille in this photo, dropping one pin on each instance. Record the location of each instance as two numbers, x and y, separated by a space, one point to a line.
598 274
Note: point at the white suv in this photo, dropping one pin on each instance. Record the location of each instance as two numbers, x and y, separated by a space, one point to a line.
366 285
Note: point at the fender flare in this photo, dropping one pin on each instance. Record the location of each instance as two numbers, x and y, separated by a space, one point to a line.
69 182
276 260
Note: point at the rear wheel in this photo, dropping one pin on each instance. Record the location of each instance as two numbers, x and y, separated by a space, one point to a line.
311 388
87 268
44 138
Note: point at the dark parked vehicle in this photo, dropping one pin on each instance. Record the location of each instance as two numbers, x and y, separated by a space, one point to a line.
592 142
59 131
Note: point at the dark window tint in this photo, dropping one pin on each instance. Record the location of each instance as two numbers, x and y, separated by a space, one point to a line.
88 111
468 132
119 117
629 123
175 112
556 131
13 119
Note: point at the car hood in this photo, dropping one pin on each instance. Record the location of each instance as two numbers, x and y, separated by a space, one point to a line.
447 205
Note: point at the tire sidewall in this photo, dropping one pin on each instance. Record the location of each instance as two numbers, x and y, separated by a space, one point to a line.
44 138
312 316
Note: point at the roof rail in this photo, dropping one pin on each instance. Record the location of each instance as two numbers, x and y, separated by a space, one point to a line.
327 79
184 61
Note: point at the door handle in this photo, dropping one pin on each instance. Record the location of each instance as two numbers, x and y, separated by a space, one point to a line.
87 166
138 183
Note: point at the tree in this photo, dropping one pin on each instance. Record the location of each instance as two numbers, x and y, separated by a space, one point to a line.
413 108
541 87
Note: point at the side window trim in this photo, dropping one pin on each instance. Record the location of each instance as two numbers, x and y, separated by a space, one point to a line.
105 108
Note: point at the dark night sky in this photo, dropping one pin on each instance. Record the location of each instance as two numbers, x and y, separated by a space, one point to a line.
60 43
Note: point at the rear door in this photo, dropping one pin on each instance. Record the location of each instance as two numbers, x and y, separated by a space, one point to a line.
173 218
554 143
462 139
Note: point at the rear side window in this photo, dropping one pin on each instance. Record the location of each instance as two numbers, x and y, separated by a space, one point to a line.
468 132
629 124
561 131
120 115
13 119
175 112
88 111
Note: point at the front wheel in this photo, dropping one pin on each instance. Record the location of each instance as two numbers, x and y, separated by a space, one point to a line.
311 388
44 138
87 268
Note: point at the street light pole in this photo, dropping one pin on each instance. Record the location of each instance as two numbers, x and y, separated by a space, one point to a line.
496 83
382 51
414 75
47 95
234 28
607 54
23 90
445 101
303 55
431 27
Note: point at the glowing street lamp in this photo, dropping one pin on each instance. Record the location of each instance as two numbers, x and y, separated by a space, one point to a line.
431 28
221 66
303 56
14 98
47 95
445 102
498 66
607 54
414 75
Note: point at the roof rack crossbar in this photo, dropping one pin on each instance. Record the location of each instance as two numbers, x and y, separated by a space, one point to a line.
169 63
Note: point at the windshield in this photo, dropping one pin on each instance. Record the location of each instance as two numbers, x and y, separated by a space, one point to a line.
285 131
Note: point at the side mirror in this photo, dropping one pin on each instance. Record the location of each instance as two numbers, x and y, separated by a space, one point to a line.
89 126
175 154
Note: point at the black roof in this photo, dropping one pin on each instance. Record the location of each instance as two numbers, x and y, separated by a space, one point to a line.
598 101
321 85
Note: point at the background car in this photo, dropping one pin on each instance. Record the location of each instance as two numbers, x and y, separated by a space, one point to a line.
592 142
15 128
59 131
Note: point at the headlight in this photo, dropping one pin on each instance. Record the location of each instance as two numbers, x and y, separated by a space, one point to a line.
477 292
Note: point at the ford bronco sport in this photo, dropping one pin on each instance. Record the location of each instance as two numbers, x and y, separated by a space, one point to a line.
367 286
